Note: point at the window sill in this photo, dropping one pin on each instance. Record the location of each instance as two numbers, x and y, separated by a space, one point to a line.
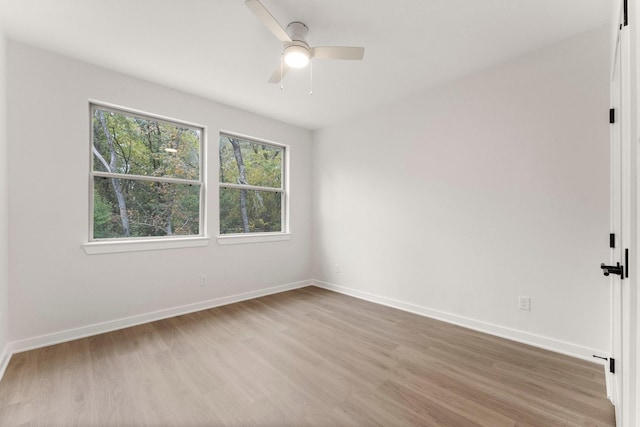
109 247
235 239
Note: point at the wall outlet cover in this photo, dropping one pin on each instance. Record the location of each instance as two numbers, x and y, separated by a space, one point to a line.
524 303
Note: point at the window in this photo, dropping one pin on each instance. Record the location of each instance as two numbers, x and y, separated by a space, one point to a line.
252 186
146 176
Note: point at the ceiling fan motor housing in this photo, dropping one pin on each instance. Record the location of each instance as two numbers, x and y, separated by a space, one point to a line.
297 31
297 52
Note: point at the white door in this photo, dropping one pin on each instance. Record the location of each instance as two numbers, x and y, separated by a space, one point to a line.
617 267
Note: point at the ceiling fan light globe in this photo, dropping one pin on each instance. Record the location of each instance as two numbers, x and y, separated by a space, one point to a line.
296 56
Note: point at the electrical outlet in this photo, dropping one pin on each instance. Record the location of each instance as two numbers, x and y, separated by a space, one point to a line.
524 303
203 280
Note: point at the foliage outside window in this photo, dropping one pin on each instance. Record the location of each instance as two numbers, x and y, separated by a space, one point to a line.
146 176
252 190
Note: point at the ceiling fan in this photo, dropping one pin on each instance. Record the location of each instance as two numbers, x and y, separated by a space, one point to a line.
296 51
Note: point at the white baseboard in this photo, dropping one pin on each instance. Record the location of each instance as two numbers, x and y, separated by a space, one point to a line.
612 386
546 343
112 325
5 357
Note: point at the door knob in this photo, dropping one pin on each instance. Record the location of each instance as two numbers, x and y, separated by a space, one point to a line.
612 269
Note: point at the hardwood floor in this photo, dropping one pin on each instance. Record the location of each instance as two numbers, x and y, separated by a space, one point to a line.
304 357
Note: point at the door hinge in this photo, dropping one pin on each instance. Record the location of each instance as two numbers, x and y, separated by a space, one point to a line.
612 115
612 240
625 9
626 263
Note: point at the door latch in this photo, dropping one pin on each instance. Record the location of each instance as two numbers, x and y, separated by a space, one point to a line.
612 269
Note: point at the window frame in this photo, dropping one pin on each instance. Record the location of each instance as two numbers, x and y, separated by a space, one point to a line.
284 190
127 244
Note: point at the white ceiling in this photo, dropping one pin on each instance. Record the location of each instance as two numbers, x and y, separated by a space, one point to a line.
219 50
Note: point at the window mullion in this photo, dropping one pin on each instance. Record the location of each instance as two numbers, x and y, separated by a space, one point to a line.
146 178
251 187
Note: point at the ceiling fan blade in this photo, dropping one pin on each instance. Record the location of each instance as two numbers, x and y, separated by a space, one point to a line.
279 73
268 20
337 52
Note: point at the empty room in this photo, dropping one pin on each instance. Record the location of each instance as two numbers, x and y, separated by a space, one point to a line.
291 213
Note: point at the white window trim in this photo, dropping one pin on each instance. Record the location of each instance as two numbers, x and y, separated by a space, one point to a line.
243 238
106 246
236 239
148 244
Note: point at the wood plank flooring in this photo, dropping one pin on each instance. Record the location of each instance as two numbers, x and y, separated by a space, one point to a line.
304 357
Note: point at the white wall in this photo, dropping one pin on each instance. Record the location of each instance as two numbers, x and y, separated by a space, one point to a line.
456 201
4 225
55 286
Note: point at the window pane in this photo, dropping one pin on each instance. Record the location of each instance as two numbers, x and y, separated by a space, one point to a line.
246 162
128 144
133 208
249 211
